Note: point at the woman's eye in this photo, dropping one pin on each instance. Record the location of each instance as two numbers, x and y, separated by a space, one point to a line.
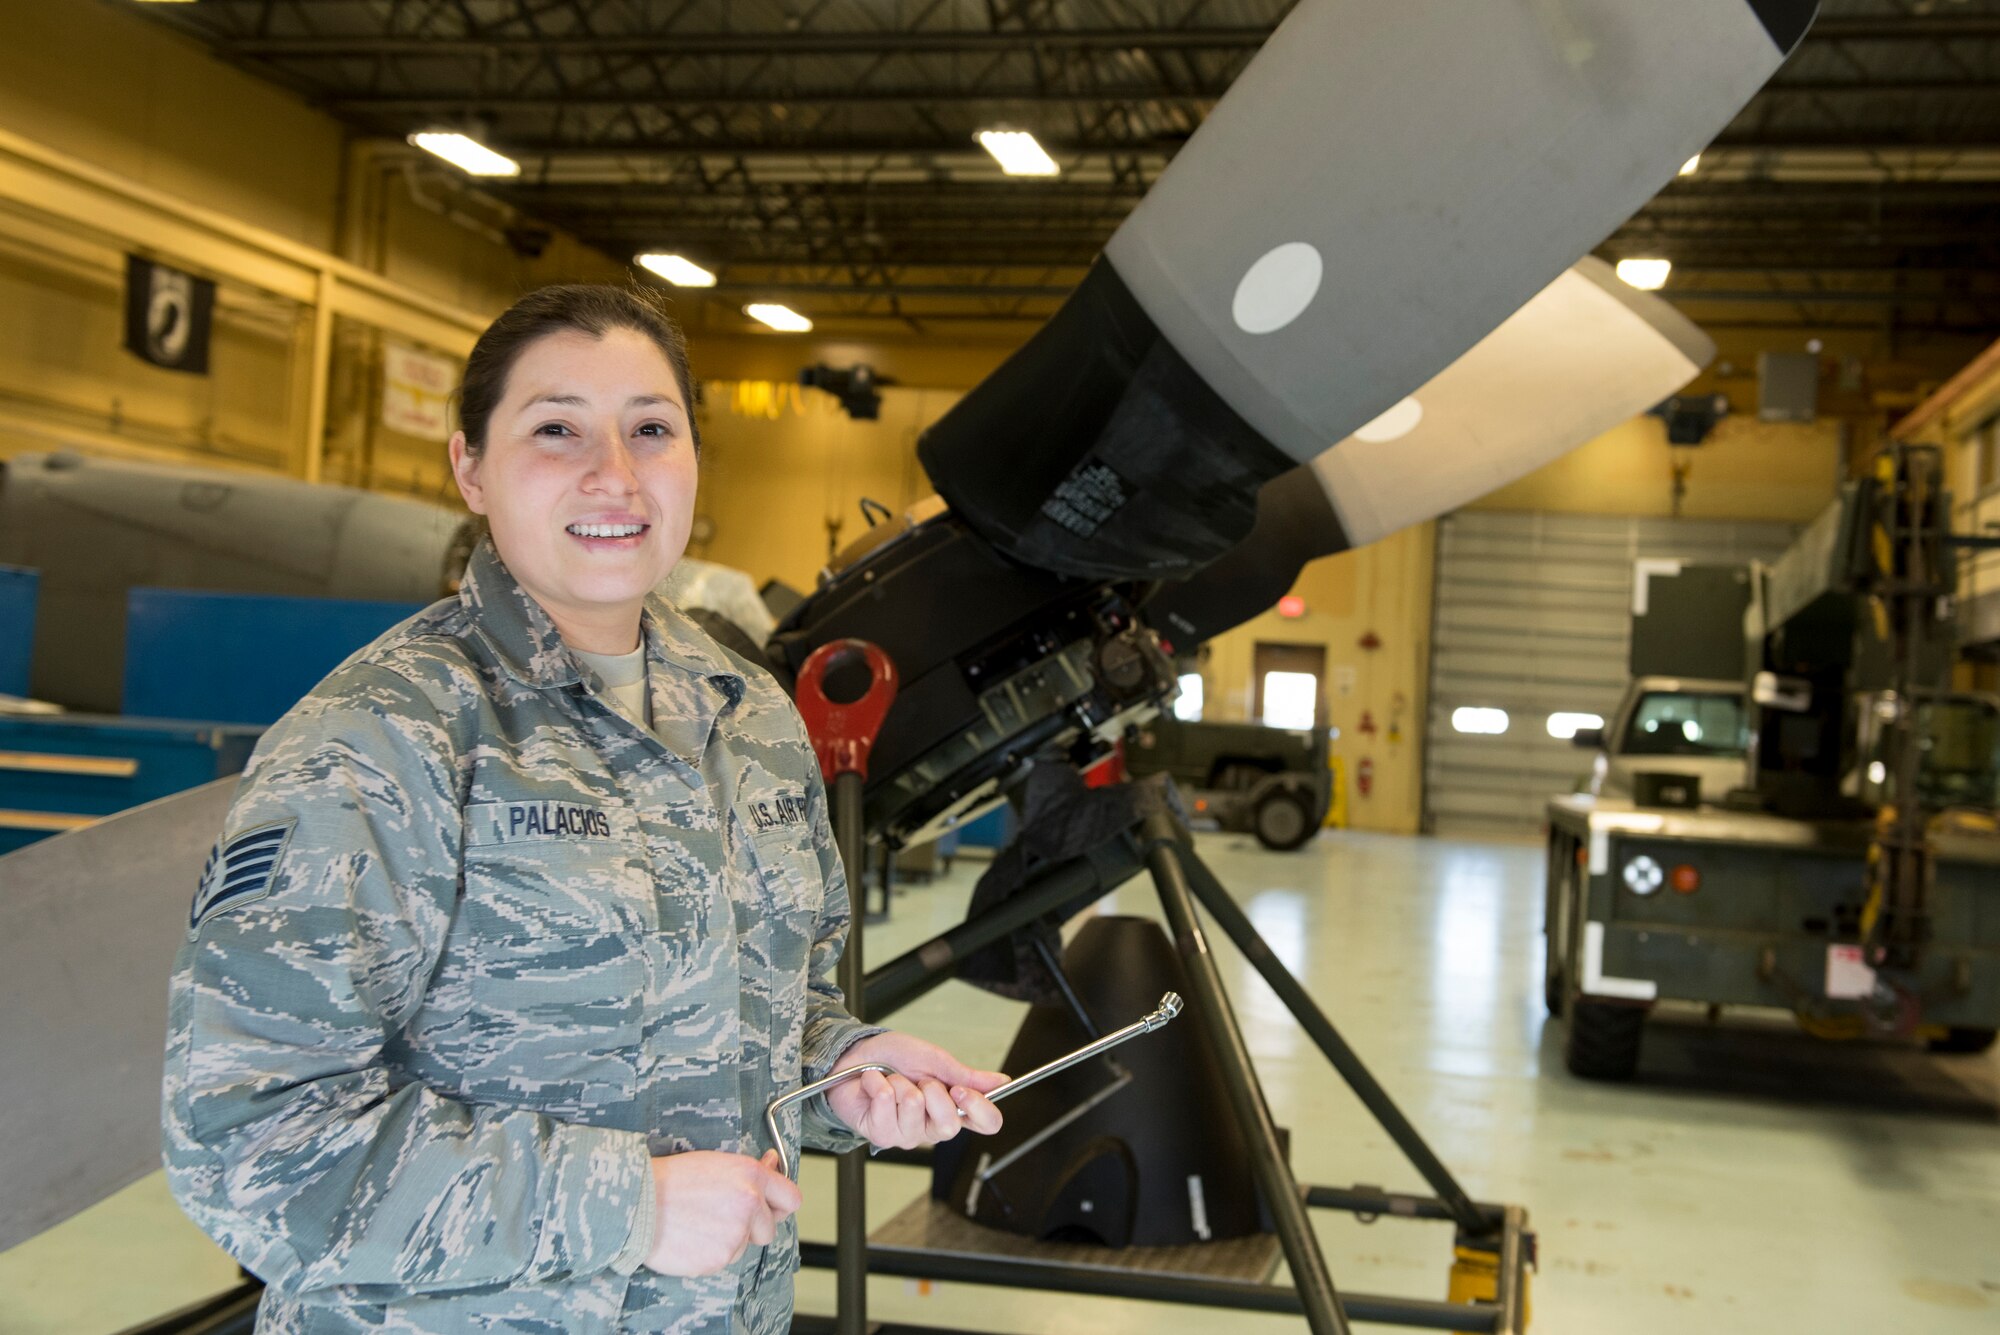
553 429
655 430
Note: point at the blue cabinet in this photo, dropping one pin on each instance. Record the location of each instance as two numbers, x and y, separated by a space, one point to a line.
64 771
19 590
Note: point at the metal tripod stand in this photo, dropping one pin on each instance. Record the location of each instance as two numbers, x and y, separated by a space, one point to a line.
1161 847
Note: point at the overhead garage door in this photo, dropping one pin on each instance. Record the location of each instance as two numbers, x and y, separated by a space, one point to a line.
1531 620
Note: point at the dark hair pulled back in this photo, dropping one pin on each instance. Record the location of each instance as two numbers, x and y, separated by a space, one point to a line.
586 308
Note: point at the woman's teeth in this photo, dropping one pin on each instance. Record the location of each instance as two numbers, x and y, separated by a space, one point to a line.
607 530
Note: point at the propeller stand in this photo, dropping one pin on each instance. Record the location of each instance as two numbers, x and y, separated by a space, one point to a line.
1493 1248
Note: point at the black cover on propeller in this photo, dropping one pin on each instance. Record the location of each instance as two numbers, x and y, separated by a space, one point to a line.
1159 1163
1045 457
1295 524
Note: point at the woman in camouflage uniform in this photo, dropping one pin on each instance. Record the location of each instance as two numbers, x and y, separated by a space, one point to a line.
526 911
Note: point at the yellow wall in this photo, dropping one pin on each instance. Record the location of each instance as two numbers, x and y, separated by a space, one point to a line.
1384 588
770 486
113 92
91 80
65 378
1745 470
914 363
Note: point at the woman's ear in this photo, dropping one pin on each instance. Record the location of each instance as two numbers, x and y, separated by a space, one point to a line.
465 472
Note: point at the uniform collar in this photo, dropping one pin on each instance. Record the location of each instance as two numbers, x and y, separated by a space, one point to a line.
675 641
520 631
528 645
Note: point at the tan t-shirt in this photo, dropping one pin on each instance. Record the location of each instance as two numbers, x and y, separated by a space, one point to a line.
624 678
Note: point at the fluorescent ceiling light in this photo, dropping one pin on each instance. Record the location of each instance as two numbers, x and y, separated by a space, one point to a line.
468 155
679 271
781 318
1017 153
1648 275
1691 166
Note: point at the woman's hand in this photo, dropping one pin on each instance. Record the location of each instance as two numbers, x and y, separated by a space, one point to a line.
713 1206
918 1106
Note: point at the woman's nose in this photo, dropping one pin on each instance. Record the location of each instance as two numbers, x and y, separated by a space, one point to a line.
612 469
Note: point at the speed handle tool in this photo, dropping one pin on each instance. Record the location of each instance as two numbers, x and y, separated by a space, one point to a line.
1170 1006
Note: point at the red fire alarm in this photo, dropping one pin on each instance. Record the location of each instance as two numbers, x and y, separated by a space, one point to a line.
1291 605
1364 776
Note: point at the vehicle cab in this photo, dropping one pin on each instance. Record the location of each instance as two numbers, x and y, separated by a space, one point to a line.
1685 728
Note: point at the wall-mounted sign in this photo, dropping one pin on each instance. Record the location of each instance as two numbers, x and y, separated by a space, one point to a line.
167 316
416 392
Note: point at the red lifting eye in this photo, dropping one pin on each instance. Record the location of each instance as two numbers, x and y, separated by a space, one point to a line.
1684 879
844 692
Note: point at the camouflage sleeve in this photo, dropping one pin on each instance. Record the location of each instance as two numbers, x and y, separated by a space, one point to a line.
287 1137
830 1031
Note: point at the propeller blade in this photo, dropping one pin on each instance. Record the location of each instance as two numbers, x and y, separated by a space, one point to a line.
1587 353
1384 184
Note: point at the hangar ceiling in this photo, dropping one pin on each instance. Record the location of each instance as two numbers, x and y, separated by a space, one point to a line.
820 152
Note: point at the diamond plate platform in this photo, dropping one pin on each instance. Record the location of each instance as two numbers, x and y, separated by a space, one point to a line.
932 1225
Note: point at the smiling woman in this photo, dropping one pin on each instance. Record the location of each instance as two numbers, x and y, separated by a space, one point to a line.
579 447
547 910
589 492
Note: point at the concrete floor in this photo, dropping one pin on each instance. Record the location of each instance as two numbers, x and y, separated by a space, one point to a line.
1750 1180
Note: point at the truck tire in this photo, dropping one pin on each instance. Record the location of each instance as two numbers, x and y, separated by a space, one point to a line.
1554 985
1281 820
1603 1039
1964 1040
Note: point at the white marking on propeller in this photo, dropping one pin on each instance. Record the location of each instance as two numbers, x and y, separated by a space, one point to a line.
1277 289
1400 420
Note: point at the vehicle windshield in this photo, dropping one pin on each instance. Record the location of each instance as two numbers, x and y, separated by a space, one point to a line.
1961 756
1686 723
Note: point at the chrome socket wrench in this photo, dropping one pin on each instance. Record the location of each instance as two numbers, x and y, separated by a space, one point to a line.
1170 1006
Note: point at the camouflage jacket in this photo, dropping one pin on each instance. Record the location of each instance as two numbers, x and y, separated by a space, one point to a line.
473 947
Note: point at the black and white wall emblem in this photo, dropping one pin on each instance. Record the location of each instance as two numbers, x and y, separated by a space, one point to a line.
167 315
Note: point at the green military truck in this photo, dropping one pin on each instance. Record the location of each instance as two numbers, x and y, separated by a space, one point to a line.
1851 874
1273 783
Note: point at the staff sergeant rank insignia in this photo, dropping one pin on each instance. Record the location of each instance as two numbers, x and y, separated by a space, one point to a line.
238 872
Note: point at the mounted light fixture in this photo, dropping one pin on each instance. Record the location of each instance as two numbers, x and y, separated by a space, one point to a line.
1648 275
781 318
1017 153
677 269
1690 167
467 154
